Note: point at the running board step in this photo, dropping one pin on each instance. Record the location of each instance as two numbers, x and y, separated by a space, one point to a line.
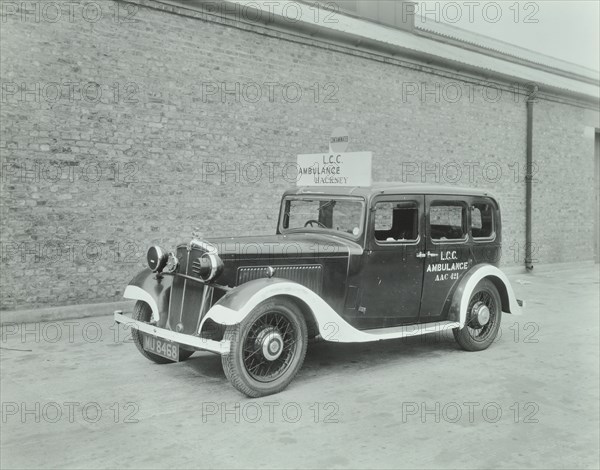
397 332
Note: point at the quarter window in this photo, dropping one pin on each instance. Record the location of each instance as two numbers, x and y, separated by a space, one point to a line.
396 221
447 221
482 220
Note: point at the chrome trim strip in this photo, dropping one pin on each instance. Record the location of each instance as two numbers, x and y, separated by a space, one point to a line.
160 253
187 269
219 347
208 247
213 265
170 300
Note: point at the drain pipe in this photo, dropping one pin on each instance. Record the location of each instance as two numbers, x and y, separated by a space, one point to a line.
531 99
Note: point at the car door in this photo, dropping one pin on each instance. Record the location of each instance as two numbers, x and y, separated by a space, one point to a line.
392 272
447 255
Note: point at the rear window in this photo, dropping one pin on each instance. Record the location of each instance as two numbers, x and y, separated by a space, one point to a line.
482 220
447 220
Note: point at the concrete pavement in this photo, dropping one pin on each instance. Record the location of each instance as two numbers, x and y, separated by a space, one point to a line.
76 394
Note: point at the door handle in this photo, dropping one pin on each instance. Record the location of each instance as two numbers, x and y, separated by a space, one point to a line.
432 255
420 254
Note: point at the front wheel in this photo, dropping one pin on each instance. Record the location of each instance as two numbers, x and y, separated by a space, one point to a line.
484 313
267 348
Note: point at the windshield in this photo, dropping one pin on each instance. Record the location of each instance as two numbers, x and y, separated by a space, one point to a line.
339 215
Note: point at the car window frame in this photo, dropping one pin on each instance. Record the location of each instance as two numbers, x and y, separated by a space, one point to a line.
418 199
492 204
322 197
466 219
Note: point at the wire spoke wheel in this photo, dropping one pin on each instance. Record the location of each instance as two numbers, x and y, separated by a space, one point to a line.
266 349
484 313
481 301
269 347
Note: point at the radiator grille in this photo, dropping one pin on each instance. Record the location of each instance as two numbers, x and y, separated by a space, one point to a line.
309 276
186 297
196 267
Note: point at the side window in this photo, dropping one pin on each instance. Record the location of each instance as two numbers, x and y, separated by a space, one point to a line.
447 220
396 221
482 220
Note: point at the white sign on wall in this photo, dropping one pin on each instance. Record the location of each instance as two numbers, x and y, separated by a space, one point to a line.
335 169
339 140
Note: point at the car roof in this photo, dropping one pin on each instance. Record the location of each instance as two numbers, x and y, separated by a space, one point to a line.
389 188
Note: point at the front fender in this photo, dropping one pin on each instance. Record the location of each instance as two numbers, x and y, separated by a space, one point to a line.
462 294
155 292
233 307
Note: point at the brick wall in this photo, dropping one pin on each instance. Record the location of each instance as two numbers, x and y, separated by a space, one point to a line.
564 212
114 135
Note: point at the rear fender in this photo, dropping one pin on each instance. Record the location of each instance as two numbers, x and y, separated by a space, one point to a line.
155 292
462 294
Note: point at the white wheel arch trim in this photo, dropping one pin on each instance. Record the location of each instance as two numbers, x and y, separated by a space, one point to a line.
476 276
331 326
137 293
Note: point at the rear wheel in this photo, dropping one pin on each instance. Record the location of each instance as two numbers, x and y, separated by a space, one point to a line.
142 312
484 313
266 349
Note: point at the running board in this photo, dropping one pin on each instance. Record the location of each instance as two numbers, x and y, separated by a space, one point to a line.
363 336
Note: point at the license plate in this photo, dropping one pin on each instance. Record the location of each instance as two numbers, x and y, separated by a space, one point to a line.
162 348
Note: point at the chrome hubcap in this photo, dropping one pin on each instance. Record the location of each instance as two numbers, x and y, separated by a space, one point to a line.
270 342
480 314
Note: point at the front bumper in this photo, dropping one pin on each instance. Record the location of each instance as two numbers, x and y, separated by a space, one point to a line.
219 347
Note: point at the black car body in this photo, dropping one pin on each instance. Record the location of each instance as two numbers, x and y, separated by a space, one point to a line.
346 264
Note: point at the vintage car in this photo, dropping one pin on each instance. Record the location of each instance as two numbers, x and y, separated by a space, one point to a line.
347 264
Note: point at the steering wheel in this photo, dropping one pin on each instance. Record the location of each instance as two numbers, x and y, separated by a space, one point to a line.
312 222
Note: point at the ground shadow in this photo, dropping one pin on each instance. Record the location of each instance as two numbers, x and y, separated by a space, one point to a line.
331 357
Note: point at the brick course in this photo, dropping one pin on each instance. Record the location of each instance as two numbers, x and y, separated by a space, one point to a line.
90 180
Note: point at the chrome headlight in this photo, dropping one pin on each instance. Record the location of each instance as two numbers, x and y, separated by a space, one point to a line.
157 258
172 263
209 266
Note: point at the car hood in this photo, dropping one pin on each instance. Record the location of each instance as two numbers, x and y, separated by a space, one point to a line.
285 246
